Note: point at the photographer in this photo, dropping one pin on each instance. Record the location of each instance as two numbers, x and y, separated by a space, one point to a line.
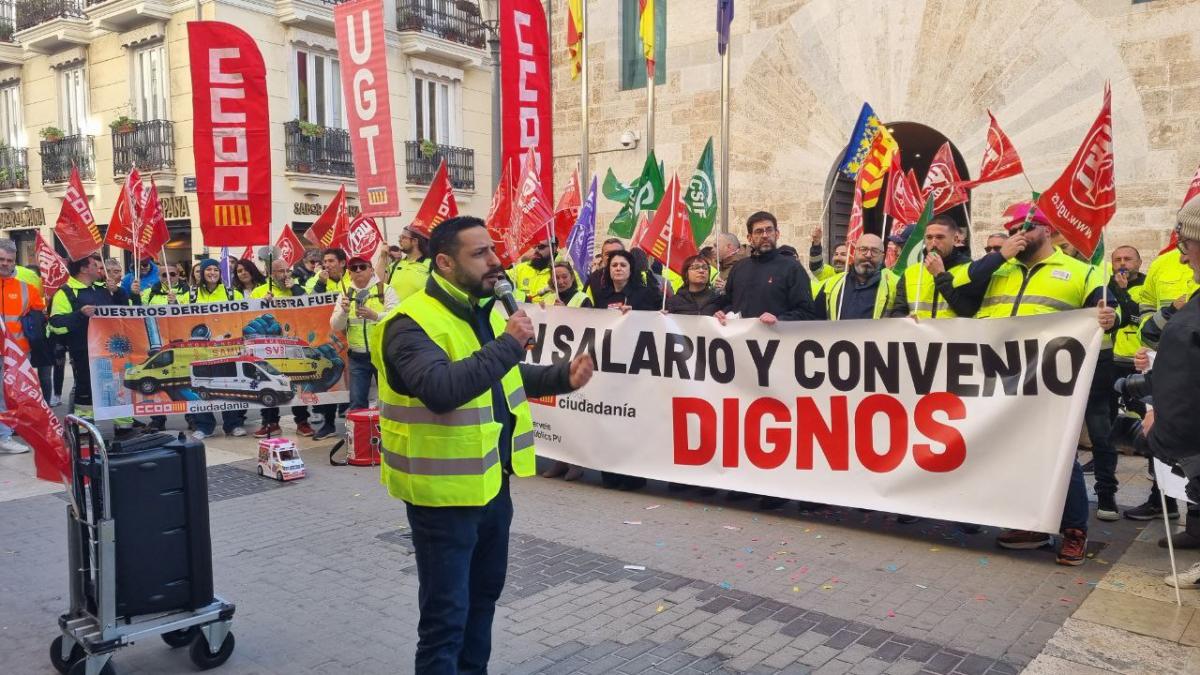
1173 428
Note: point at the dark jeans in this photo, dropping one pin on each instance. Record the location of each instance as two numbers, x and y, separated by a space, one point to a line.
1075 511
207 422
1098 418
361 374
46 381
299 414
462 557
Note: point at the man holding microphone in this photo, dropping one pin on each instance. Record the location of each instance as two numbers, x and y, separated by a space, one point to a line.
455 424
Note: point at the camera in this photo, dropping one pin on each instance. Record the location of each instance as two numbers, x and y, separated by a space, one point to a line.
629 139
1135 387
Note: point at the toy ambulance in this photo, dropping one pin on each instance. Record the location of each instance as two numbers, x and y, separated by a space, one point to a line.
280 459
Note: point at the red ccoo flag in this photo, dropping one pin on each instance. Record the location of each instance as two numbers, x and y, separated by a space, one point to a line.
567 210
499 218
76 225
439 204
30 417
125 214
668 238
330 229
1084 198
152 224
1000 159
943 182
291 249
52 267
1192 191
531 212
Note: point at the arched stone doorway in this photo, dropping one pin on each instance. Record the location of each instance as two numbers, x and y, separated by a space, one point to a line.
918 143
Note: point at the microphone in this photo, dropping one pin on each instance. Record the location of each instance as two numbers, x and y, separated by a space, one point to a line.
504 293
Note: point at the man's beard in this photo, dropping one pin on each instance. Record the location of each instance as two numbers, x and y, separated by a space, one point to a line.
765 247
839 265
479 287
865 269
539 263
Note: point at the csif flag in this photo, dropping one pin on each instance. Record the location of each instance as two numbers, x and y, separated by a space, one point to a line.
531 214
914 247
566 212
125 214
499 218
644 195
1000 159
942 181
701 196
582 238
52 267
615 190
439 204
1192 191
329 231
76 225
30 417
668 237
291 249
1084 198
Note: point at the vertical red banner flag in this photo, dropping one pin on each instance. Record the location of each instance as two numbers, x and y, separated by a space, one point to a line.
525 87
76 225
358 25
1192 191
231 133
1084 198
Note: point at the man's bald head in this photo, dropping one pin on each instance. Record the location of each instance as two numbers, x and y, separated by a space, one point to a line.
868 255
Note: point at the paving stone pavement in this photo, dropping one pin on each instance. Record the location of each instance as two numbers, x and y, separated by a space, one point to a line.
322 574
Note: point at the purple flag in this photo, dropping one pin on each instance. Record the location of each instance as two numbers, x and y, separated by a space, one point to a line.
724 18
226 272
582 238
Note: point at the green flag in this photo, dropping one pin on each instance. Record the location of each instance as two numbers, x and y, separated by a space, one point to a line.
614 189
1098 254
915 245
701 196
645 194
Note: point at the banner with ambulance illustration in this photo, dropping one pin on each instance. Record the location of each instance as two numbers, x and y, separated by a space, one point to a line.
213 357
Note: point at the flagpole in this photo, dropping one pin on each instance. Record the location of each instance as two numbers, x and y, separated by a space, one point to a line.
724 142
649 113
584 151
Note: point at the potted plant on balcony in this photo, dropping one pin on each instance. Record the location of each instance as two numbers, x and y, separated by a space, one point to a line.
123 125
311 130
51 134
428 148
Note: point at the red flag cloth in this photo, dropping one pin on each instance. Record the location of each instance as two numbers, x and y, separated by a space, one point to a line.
76 226
291 249
330 228
903 201
439 204
152 225
1084 198
359 27
1000 159
525 84
531 212
231 134
30 417
566 212
1192 191
943 182
499 218
52 267
247 254
125 213
854 227
640 231
363 238
668 238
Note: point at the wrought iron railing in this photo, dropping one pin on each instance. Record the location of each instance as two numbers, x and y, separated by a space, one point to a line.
421 162
150 146
33 12
7 25
453 20
14 168
59 156
322 150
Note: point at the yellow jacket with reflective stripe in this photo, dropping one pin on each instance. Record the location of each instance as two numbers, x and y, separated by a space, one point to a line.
885 294
410 277
533 282
452 458
200 294
360 331
30 277
928 303
1167 278
1056 284
1129 336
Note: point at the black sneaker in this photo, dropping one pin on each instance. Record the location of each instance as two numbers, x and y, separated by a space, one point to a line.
1106 508
325 431
905 519
1090 466
1152 510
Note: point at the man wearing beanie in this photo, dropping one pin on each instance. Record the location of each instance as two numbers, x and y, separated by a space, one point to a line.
1173 427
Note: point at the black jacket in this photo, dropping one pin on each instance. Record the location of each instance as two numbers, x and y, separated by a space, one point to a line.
964 300
76 323
686 302
637 297
768 282
1176 382
417 366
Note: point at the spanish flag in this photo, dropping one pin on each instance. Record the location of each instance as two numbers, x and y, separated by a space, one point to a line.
646 30
575 36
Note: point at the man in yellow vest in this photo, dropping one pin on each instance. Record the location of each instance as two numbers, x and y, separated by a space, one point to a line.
410 275
357 314
817 269
866 290
455 424
280 284
533 277
331 278
1041 279
938 287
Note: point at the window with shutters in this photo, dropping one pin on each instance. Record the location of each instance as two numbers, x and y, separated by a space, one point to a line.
633 60
434 101
72 98
11 125
317 89
150 83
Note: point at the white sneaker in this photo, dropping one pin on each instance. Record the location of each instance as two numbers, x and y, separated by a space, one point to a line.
54 401
11 446
199 435
238 431
1187 579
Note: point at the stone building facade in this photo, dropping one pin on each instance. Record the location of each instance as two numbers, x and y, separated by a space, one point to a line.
801 69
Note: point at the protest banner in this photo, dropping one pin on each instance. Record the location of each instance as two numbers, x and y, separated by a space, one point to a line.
958 419
213 357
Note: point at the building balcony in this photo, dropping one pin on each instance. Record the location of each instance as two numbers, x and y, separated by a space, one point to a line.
306 13
122 15
421 164
446 30
317 151
14 177
47 26
59 156
11 53
149 146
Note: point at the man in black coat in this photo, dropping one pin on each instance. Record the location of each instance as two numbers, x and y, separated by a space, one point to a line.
768 286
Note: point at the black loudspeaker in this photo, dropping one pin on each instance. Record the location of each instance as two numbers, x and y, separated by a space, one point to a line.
159 497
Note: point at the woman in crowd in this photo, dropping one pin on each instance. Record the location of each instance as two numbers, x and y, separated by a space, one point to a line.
569 295
697 292
210 288
171 289
246 276
624 285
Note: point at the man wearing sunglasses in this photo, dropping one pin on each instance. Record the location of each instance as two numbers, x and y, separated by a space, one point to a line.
357 314
146 274
995 242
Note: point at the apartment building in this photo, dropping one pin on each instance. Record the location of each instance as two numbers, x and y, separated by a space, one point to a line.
105 85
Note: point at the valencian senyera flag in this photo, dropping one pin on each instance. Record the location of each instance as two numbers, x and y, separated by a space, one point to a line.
860 141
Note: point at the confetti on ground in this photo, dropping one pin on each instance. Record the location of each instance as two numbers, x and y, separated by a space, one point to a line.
726 585
780 568
921 587
653 506
795 589
983 562
818 536
803 569
1079 580
891 568
934 549
633 522
636 568
748 550
1102 562
1066 600
826 587
740 565
981 597
731 527
357 494
659 609
891 613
